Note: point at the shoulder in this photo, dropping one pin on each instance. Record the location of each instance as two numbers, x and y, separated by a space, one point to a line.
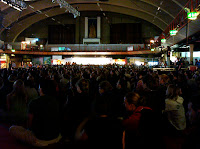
169 101
180 99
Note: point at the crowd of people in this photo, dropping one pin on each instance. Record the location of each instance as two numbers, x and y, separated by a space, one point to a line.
100 106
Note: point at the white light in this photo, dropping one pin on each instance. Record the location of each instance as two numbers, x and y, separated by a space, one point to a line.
152 63
91 61
4 2
27 42
151 41
139 63
31 6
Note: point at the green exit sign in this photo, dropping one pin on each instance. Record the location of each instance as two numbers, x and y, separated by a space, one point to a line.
173 32
192 15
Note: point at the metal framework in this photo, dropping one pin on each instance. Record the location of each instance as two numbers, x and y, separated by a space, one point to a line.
68 7
181 20
18 5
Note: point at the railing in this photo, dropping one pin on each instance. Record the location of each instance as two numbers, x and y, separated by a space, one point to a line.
83 47
181 19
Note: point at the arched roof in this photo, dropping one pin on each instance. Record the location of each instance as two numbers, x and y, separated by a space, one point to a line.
158 12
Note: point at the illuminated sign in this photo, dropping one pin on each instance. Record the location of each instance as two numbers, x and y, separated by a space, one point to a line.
163 40
173 32
192 15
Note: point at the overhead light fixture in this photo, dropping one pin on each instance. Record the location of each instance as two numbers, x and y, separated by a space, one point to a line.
173 32
163 40
192 15
68 7
18 5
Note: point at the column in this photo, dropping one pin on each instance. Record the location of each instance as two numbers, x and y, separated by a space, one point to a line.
99 27
168 55
77 30
191 54
86 27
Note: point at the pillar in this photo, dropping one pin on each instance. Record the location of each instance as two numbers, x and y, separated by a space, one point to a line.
168 55
191 53
77 30
99 27
86 27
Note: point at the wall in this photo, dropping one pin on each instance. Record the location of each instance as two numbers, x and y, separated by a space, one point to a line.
40 29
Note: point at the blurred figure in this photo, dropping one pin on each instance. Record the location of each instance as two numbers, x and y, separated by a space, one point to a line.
140 123
175 111
77 108
43 119
17 103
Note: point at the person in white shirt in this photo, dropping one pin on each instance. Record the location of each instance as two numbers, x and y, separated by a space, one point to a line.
174 108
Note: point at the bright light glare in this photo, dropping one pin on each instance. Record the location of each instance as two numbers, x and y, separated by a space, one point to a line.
192 15
173 32
151 41
119 61
139 63
173 59
91 61
27 42
152 63
58 62
163 40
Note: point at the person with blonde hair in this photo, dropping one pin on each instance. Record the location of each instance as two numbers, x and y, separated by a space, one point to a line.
175 110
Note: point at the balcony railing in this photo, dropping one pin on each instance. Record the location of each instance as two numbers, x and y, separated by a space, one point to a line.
181 20
82 47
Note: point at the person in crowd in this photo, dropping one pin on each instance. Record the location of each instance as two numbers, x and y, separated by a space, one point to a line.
30 91
6 89
43 119
105 98
175 111
101 129
140 84
161 91
140 124
193 123
78 107
75 102
17 103
121 90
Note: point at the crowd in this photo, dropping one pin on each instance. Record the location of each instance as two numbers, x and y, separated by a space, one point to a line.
100 106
